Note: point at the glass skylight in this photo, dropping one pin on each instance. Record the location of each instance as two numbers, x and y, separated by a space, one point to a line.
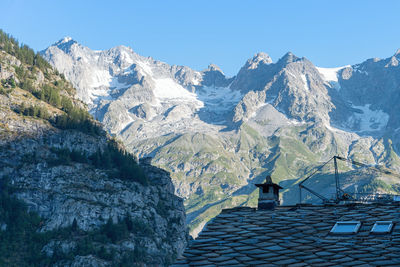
381 227
350 227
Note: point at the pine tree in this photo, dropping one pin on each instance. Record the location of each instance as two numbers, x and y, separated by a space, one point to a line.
74 225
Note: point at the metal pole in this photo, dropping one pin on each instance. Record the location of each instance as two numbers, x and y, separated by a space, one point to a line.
336 179
300 198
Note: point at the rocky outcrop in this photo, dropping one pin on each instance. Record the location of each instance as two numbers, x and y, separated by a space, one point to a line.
51 167
72 191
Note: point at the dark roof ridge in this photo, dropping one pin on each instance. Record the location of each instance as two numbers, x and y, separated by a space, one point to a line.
305 205
238 209
394 203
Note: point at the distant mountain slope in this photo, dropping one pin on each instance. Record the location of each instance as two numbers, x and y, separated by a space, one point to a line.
70 195
219 135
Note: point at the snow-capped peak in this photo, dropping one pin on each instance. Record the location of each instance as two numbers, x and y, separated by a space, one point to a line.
65 44
397 53
259 58
289 57
123 48
65 40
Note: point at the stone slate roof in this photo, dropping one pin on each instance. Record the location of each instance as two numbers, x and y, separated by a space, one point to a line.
296 236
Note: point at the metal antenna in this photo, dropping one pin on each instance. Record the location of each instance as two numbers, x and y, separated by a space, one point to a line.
340 194
336 179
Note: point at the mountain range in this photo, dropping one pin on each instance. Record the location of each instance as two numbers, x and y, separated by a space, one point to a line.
220 135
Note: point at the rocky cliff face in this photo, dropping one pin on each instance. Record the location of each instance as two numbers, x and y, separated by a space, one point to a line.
56 169
219 135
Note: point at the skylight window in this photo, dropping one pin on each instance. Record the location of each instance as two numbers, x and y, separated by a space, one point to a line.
350 227
396 198
382 227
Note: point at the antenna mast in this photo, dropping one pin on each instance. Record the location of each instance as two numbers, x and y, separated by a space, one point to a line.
336 179
340 194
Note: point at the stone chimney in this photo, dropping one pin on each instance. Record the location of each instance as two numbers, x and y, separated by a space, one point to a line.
269 194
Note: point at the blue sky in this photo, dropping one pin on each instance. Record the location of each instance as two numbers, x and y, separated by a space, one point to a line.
226 33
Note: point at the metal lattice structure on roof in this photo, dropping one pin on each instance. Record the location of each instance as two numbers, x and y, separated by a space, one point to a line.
353 169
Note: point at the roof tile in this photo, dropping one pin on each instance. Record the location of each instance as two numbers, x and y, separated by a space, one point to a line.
353 263
200 262
296 236
275 248
324 253
315 261
229 262
245 248
286 262
220 259
257 263
300 264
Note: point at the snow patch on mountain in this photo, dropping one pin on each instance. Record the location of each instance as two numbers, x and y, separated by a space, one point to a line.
100 78
330 76
368 120
145 68
305 82
115 84
219 98
167 89
126 58
196 81
102 86
66 39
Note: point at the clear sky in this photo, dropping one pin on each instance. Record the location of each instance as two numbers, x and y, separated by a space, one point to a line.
226 33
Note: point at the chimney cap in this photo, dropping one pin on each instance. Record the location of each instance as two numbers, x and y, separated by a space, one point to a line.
268 182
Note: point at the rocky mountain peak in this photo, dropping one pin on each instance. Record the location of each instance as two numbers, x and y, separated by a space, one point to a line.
394 61
213 67
122 48
259 58
123 56
65 44
214 76
66 39
289 57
